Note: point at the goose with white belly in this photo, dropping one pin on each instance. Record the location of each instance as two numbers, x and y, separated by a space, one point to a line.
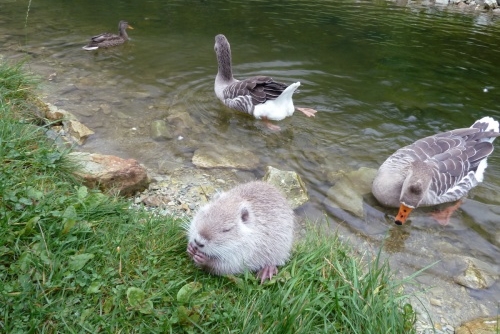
259 96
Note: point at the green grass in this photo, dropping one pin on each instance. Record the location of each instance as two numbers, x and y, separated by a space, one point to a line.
74 260
15 85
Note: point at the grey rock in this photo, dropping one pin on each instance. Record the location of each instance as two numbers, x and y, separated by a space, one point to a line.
490 4
290 183
476 274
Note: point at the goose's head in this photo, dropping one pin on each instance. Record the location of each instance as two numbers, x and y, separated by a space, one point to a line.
415 186
221 44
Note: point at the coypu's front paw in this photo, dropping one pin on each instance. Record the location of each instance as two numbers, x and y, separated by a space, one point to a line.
197 256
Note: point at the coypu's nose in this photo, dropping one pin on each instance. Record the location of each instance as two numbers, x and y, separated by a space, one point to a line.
199 244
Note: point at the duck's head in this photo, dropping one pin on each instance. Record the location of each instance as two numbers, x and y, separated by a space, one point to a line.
123 25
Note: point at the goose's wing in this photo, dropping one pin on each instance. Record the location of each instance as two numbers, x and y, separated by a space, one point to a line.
245 94
454 157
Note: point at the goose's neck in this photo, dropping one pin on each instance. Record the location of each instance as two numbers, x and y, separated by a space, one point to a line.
225 71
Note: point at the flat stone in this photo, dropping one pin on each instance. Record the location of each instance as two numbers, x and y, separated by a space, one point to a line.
213 156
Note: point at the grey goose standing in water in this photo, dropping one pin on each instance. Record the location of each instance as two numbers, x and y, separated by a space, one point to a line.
259 96
436 169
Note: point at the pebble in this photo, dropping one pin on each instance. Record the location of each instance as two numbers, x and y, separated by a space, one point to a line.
435 302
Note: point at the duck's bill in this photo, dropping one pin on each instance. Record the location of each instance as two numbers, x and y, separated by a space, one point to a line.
404 212
130 27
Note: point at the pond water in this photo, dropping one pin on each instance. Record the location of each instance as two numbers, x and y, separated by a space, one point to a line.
380 76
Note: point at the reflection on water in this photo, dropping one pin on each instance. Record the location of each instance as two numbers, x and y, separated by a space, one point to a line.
380 76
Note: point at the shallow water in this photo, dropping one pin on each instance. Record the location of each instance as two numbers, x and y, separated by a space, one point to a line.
380 76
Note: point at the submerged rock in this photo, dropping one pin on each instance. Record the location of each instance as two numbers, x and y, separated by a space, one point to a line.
213 156
110 173
182 122
349 188
289 183
160 130
105 108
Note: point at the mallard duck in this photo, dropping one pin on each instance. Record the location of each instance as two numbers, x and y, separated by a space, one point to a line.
437 169
106 40
259 96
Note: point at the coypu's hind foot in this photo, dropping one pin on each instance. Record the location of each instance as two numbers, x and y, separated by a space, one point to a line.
267 273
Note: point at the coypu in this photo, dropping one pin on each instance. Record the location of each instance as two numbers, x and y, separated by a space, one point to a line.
248 227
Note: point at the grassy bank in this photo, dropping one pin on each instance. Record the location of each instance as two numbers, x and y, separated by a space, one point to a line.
75 260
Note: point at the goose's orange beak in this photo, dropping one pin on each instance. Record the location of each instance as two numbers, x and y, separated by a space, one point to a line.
404 212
